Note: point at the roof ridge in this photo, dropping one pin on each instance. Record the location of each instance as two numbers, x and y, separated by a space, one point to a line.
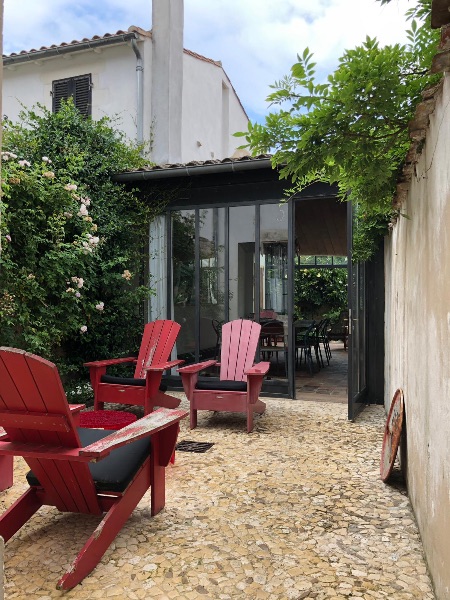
218 63
132 29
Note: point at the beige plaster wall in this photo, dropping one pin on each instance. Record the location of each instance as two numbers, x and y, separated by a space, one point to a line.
417 338
212 112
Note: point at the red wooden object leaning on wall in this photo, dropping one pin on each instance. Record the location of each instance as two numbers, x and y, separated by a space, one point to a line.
144 388
240 381
107 473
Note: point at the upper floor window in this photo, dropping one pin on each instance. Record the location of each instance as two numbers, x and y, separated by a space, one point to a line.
79 88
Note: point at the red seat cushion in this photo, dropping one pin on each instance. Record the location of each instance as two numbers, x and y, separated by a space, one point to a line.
106 419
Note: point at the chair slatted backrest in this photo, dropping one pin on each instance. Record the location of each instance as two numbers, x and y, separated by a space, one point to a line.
324 328
157 342
318 328
306 337
239 343
268 313
274 327
32 396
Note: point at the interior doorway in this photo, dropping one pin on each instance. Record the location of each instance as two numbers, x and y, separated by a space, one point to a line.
320 298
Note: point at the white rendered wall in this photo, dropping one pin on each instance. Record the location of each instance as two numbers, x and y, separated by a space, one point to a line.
418 339
238 122
211 111
204 114
113 71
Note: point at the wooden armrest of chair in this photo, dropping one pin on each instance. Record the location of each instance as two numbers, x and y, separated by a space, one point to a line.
258 369
164 366
190 369
110 361
153 423
149 425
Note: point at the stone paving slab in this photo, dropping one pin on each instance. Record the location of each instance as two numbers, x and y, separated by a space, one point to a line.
295 510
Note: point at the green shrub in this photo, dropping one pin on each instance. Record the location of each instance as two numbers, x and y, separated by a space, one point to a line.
320 293
72 240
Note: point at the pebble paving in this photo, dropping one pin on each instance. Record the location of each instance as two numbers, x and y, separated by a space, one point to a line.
295 510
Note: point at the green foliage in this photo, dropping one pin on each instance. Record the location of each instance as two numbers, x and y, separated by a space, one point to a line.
320 293
72 240
43 248
370 226
351 130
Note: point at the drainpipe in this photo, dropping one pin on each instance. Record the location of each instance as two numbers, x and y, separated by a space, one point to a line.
140 94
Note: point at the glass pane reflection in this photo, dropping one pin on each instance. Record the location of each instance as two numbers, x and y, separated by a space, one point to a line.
183 279
242 261
212 279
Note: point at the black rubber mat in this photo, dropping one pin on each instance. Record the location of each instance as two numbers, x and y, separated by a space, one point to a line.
189 446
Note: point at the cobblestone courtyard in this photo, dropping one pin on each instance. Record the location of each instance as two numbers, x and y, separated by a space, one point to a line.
295 510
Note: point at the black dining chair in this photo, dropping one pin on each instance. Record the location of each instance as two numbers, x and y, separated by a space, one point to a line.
272 332
305 339
273 342
319 340
323 339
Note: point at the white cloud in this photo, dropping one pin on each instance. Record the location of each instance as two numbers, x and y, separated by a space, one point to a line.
256 40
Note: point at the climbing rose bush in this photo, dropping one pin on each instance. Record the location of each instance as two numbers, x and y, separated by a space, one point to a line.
73 274
48 242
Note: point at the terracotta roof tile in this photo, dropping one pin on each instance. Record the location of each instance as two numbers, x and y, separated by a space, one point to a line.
204 58
76 42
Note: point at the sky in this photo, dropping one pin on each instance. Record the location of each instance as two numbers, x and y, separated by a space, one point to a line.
256 40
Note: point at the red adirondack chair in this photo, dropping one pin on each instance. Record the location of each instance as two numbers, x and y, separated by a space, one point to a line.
240 381
88 471
6 469
144 389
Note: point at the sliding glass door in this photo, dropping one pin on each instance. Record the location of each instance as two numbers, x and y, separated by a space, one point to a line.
228 263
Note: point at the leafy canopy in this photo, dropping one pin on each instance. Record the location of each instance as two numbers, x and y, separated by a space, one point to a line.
351 130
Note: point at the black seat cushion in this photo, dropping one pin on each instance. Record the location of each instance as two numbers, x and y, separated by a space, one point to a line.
129 381
114 472
223 385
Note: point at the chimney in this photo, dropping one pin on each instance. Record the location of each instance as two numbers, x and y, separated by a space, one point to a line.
167 79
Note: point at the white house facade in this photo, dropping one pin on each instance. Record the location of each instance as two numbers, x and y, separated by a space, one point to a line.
180 103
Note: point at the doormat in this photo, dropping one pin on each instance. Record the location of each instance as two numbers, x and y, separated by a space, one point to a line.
188 446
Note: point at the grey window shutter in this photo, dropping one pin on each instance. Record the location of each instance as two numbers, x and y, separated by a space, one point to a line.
60 91
79 88
83 95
